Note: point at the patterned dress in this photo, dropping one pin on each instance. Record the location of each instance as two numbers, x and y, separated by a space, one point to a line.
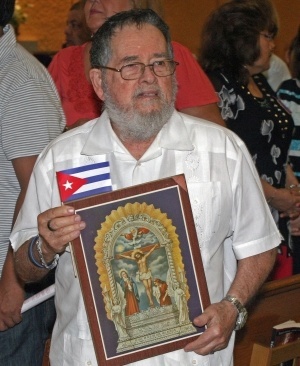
266 127
263 123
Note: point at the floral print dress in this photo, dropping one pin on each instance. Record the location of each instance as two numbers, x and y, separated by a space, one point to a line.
266 127
263 124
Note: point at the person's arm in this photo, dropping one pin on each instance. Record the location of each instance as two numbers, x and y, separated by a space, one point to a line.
151 250
54 69
291 179
125 256
282 199
11 288
66 226
220 317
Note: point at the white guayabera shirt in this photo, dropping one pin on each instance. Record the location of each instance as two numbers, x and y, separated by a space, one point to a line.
231 216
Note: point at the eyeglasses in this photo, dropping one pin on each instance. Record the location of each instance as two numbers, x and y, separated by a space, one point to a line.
136 70
268 36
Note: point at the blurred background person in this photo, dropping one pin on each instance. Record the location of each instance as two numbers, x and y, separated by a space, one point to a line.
70 71
30 117
234 58
289 93
278 70
76 31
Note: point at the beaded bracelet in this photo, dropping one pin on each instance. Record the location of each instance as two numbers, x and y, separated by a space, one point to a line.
44 264
36 241
30 252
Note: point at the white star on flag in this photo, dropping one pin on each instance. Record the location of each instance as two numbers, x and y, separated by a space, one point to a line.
84 181
68 185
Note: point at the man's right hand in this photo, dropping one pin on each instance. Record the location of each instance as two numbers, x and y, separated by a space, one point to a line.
57 227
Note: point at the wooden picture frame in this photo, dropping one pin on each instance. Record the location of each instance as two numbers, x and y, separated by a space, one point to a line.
140 269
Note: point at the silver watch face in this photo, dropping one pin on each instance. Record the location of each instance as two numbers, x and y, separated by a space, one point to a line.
241 319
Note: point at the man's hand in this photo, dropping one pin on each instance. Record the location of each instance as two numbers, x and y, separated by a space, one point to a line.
220 319
286 201
57 227
295 226
11 301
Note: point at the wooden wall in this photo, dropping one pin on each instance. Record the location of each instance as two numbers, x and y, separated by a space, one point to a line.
46 21
186 18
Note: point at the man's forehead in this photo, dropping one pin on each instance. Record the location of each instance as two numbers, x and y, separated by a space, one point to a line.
131 40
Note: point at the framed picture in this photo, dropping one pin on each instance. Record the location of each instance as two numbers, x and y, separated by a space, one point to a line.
140 269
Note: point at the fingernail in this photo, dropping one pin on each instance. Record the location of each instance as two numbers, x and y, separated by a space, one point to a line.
77 218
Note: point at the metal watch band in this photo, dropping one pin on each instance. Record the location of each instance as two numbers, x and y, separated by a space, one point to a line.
242 312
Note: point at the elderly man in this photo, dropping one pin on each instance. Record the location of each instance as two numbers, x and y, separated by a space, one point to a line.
143 138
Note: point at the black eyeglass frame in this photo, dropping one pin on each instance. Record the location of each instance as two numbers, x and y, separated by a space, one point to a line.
268 36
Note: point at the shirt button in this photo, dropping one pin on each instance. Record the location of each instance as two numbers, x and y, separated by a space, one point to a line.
194 362
88 363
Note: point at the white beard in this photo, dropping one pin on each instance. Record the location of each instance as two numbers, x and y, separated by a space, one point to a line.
133 125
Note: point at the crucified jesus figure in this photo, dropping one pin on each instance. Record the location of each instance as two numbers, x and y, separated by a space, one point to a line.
144 273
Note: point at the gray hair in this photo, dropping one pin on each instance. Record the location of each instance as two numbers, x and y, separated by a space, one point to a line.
101 51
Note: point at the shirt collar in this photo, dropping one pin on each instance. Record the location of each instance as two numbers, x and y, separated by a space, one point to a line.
7 42
103 140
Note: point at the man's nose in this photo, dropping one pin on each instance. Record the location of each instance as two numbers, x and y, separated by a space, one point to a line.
148 74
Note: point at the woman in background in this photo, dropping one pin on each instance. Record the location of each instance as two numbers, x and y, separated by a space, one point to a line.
237 44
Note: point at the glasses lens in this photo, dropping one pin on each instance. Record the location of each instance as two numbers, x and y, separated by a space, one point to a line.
160 68
164 67
132 71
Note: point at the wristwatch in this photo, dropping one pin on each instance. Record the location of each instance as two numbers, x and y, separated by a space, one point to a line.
242 312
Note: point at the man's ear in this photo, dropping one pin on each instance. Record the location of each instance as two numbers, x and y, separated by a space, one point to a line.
96 80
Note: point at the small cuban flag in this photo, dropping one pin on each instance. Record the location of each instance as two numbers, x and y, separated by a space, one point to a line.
84 181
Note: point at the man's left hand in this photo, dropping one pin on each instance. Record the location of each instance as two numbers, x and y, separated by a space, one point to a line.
220 319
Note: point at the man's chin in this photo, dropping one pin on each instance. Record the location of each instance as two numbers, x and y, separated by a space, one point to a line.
145 110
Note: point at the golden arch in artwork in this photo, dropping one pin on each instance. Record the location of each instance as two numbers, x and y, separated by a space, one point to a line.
134 219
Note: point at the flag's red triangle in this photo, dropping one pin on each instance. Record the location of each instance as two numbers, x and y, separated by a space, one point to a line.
68 184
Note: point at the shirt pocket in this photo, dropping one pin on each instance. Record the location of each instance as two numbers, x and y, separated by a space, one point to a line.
205 201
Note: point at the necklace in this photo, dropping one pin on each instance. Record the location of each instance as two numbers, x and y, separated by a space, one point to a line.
263 102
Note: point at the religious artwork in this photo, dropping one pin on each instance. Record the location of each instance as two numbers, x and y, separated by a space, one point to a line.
140 269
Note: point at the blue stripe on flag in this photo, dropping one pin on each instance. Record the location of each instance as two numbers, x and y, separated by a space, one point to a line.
86 167
97 178
89 193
